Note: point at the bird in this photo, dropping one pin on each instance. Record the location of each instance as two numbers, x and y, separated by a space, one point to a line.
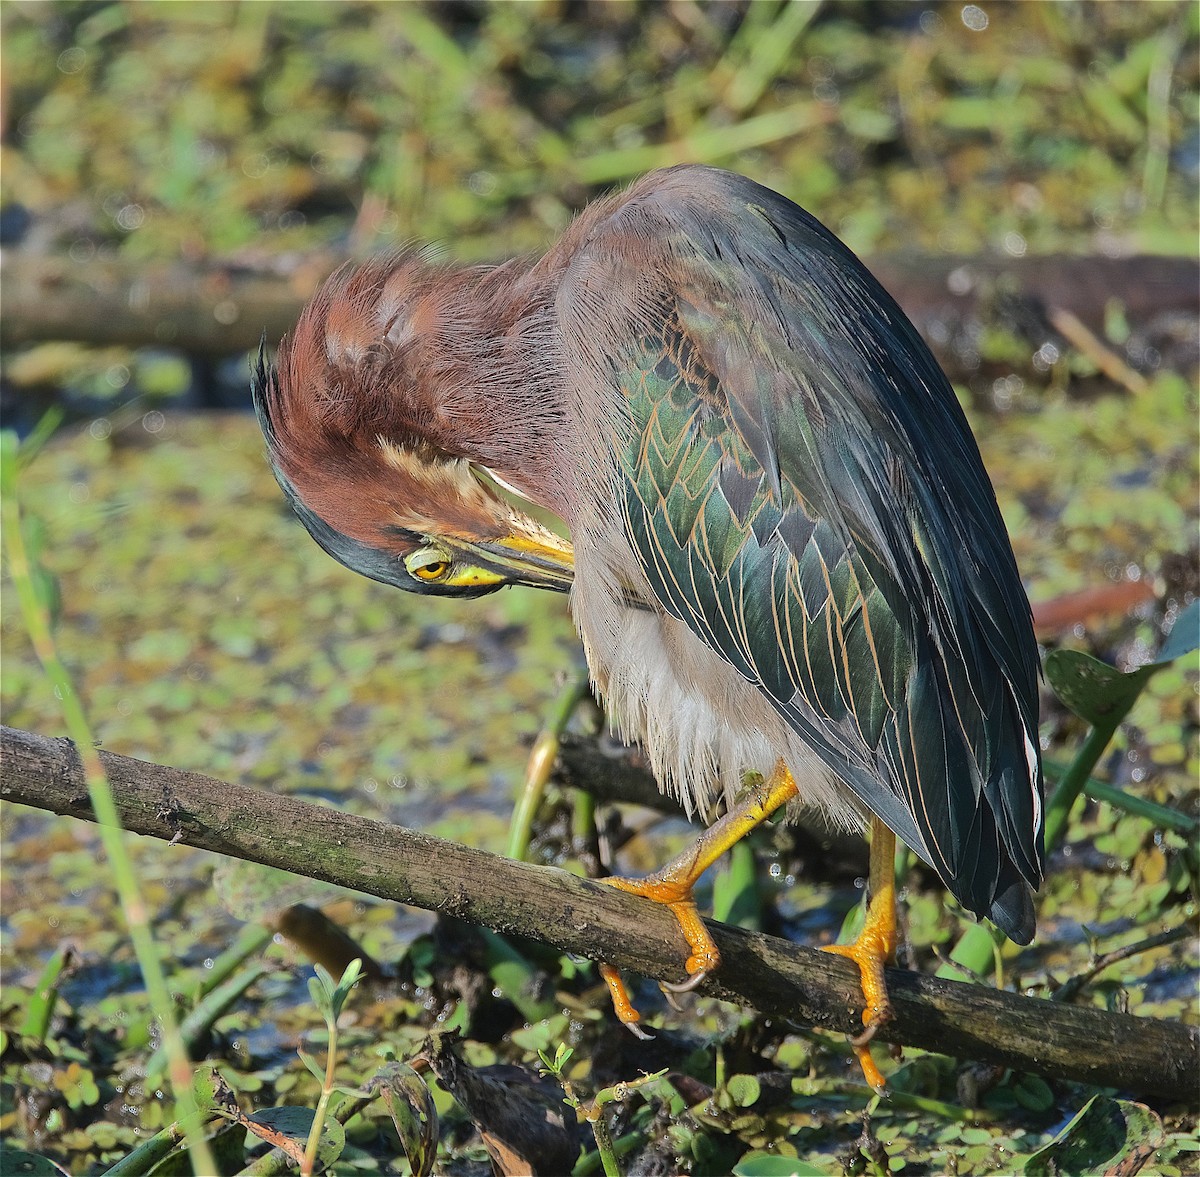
786 560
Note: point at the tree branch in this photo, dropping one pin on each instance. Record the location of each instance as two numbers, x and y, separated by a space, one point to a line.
1080 1043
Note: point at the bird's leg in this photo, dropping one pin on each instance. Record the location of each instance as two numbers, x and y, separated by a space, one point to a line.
875 945
673 885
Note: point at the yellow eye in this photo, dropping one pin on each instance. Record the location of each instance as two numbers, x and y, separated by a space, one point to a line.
428 564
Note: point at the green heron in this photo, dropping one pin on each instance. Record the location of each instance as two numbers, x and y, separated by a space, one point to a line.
786 558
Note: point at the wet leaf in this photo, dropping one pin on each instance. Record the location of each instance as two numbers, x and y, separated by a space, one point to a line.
287 1128
1096 691
1092 689
744 1090
521 1117
409 1103
1184 637
16 1162
1111 1136
767 1165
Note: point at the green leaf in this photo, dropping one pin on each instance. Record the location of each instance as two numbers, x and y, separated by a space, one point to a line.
296 1123
1184 637
516 977
768 1165
345 985
42 432
19 1163
204 1089
311 1063
352 1092
542 1034
1033 1092
1092 689
1105 1132
9 447
325 979
45 583
318 994
42 1000
1096 691
744 1090
735 895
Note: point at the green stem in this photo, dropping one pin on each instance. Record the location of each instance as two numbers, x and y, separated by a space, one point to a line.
604 1145
1162 816
150 1152
541 765
594 1114
593 1161
1072 782
253 938
200 1021
313 1144
37 622
583 819
1069 989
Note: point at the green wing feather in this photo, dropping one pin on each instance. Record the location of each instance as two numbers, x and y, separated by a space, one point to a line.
803 492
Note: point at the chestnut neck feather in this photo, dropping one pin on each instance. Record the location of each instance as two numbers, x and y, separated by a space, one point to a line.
450 363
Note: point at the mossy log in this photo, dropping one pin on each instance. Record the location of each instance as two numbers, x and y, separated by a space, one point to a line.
1145 1056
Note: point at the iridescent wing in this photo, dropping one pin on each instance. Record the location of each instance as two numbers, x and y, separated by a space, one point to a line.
802 490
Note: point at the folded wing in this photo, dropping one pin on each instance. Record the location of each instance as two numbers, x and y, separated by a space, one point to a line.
802 490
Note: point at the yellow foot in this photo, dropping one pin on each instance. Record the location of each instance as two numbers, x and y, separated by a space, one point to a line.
703 955
674 883
874 948
870 958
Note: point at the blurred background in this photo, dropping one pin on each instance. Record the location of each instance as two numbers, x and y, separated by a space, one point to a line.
176 180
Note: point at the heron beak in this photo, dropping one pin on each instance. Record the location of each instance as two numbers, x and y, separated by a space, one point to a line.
540 560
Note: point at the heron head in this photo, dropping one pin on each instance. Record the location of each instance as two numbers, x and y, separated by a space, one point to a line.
369 424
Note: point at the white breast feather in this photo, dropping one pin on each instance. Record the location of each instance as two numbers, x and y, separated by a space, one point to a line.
701 724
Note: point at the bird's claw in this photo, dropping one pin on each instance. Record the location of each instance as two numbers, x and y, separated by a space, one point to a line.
858 1041
875 945
694 981
873 1018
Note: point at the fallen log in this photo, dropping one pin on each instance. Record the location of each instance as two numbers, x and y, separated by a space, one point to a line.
201 310
216 309
1081 1043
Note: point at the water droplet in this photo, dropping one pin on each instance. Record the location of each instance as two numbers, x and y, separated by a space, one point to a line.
1014 244
131 216
975 18
71 61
